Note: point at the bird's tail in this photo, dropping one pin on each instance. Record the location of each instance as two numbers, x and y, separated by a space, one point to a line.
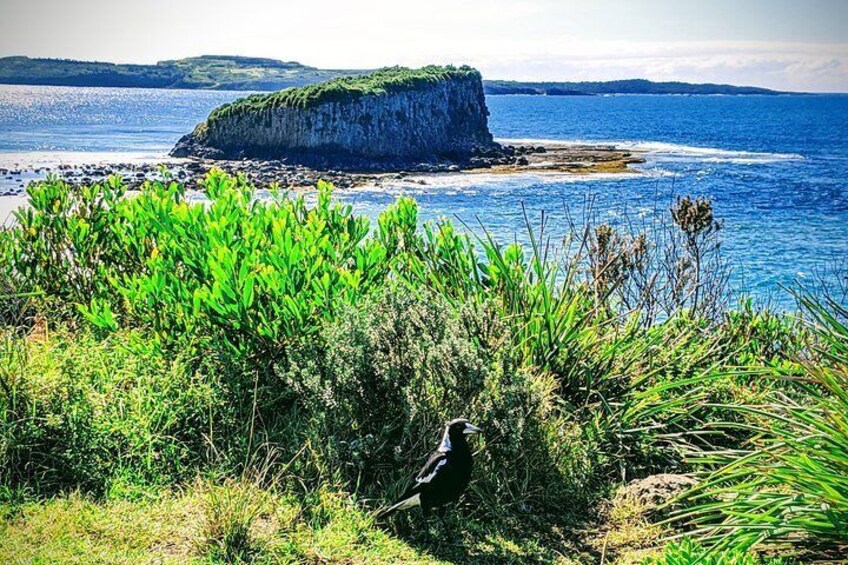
403 504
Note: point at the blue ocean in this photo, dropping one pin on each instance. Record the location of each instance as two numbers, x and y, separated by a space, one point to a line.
776 168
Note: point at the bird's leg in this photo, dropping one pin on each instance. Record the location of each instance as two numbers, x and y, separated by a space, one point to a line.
440 527
452 540
442 513
425 513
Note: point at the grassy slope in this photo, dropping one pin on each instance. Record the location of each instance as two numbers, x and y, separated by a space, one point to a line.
170 528
244 73
326 527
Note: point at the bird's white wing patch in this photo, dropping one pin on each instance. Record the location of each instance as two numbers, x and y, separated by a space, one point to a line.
433 473
406 503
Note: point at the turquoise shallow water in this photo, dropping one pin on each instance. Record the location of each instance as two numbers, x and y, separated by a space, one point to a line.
776 168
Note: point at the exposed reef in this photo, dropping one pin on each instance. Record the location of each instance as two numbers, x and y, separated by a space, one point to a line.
536 159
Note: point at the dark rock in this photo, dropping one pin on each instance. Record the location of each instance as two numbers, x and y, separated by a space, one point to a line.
656 491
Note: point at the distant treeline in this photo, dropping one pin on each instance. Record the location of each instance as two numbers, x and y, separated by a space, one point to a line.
222 72
206 72
632 86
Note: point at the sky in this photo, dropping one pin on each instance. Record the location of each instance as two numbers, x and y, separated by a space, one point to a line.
797 45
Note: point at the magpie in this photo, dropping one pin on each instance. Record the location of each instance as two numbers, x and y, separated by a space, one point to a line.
445 475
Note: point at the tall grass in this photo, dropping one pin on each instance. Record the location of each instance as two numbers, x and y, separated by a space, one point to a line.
788 487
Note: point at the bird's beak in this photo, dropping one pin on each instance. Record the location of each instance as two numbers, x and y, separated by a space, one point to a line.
471 429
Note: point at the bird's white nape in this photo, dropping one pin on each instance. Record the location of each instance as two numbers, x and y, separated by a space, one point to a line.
445 446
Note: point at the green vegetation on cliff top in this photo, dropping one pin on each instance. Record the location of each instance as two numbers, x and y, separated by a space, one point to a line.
390 79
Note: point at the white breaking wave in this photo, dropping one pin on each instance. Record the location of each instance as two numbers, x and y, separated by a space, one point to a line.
710 154
466 182
672 150
38 159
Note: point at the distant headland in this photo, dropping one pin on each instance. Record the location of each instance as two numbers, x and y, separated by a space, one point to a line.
225 72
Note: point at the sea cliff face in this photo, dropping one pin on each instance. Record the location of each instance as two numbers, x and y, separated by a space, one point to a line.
439 115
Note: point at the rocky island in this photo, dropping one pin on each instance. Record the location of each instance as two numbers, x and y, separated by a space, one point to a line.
432 119
392 119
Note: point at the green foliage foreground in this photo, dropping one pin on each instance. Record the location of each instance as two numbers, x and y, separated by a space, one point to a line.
291 364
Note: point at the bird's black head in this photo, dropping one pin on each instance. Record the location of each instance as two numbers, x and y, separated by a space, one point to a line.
455 432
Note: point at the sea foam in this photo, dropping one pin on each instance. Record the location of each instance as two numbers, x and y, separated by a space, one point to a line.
675 151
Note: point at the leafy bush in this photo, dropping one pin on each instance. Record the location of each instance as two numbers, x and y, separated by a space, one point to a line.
403 364
755 337
16 308
65 243
251 274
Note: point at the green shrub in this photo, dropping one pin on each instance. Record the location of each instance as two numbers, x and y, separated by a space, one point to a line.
16 301
380 383
65 243
249 274
755 337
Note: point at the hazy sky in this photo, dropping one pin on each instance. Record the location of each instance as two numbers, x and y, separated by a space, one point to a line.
785 44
